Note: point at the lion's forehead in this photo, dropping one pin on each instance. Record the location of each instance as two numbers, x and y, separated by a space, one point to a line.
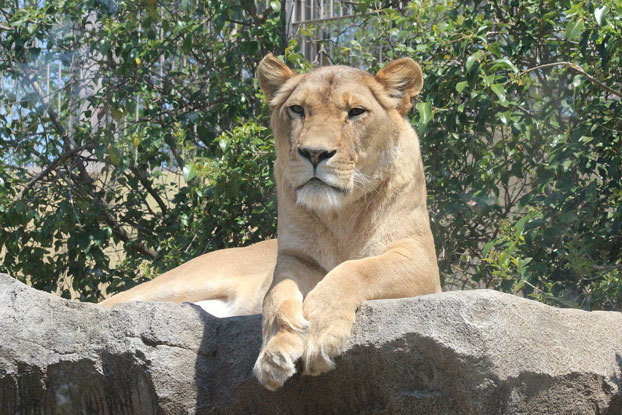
337 73
339 86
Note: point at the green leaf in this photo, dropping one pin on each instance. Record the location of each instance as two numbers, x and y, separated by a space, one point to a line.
469 62
574 29
504 258
585 139
363 6
114 155
487 248
152 8
117 113
600 14
135 141
184 220
425 112
488 79
189 172
499 90
504 62
494 48
472 59
305 31
520 225
525 261
461 85
505 117
276 6
187 45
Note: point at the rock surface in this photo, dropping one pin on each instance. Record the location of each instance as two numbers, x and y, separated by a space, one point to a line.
471 352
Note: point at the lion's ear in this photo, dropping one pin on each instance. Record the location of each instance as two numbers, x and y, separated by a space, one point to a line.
272 74
403 80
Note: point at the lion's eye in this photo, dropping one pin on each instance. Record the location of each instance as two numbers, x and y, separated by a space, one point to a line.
354 112
297 109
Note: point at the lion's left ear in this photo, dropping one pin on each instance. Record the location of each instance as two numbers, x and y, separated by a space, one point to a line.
402 79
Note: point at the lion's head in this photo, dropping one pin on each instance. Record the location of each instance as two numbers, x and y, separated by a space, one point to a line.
336 127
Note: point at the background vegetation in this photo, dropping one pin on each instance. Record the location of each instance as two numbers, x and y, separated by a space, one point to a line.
520 124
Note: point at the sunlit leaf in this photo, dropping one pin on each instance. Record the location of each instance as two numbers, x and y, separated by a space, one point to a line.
504 62
135 140
472 59
574 29
504 117
499 91
600 14
425 112
189 172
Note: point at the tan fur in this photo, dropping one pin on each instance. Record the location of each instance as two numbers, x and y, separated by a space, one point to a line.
237 277
358 231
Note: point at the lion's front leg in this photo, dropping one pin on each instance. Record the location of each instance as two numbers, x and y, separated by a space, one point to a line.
330 312
407 269
284 329
284 326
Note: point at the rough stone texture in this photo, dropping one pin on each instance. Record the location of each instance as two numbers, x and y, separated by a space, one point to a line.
472 352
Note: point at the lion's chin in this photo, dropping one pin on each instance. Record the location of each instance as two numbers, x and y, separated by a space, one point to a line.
317 196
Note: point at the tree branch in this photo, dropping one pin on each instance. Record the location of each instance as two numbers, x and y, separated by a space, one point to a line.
578 69
53 116
116 228
142 177
63 157
122 233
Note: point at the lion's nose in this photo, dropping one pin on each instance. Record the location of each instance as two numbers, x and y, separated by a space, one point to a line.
315 155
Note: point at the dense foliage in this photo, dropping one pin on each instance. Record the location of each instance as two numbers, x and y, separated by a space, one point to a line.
140 145
521 129
520 123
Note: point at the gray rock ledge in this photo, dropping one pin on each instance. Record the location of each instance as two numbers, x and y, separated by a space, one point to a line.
470 352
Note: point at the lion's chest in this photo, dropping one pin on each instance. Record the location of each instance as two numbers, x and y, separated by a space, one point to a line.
336 240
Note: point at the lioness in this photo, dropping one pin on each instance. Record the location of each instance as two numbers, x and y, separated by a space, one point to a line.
352 218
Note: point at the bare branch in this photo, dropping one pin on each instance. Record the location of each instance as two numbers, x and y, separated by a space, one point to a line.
53 116
61 159
122 233
116 228
578 69
142 177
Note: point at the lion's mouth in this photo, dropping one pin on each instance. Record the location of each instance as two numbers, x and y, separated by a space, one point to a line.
317 181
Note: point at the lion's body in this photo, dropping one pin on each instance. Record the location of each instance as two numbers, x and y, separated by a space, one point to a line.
228 282
352 218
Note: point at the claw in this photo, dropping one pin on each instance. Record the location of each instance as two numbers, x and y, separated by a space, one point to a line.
272 374
317 363
277 362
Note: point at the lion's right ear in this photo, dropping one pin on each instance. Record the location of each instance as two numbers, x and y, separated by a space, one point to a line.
272 74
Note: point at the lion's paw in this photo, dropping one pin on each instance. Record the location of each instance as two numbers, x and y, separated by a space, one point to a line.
277 361
325 342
